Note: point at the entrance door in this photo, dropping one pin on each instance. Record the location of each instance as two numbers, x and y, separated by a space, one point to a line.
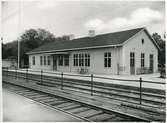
132 63
54 62
151 63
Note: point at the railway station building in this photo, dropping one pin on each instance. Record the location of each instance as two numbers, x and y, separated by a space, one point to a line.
124 52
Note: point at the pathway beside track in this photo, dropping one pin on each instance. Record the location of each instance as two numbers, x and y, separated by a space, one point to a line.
17 108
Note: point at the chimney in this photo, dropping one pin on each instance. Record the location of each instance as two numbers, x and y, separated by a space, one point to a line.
71 37
91 33
68 37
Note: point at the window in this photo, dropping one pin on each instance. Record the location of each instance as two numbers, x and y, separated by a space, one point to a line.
142 59
75 59
66 60
87 60
60 60
142 41
44 60
80 61
48 60
132 59
33 60
41 61
151 62
107 59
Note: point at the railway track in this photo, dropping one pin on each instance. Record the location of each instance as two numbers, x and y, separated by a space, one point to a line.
77 109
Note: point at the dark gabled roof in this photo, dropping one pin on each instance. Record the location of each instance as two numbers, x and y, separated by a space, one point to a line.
115 38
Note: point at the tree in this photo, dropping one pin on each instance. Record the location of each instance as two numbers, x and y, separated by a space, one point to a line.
4 51
29 40
159 40
162 52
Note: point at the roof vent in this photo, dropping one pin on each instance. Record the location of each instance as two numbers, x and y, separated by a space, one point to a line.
91 33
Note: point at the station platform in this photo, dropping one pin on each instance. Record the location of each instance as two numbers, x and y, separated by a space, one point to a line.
154 77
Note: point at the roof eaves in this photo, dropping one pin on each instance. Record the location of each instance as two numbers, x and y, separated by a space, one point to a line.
152 39
133 36
72 49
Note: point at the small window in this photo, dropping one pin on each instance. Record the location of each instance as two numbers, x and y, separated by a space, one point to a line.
33 60
41 61
107 59
142 41
48 60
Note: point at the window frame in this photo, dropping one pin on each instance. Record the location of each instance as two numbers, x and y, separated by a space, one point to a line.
41 60
142 60
60 61
48 60
107 60
79 59
132 59
33 60
142 40
44 60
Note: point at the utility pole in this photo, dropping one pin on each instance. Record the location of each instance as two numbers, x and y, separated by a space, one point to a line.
19 27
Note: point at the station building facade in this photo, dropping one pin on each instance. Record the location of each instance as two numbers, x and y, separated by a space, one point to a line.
124 52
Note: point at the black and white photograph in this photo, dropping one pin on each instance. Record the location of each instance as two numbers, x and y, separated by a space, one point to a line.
83 61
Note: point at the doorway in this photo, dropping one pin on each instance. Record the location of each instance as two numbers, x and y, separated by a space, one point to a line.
151 63
132 63
54 62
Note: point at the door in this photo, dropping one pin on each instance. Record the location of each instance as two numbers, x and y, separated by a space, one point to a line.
151 63
132 63
54 62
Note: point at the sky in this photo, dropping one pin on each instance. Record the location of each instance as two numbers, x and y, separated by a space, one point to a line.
78 17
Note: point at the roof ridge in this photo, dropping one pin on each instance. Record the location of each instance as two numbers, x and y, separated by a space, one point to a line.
109 33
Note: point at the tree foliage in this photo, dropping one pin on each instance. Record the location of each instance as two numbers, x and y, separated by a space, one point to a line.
162 52
29 40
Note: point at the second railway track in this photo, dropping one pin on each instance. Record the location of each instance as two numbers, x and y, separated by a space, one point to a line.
77 109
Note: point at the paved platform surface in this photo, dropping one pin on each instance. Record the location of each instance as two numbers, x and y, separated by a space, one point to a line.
17 108
110 104
155 77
